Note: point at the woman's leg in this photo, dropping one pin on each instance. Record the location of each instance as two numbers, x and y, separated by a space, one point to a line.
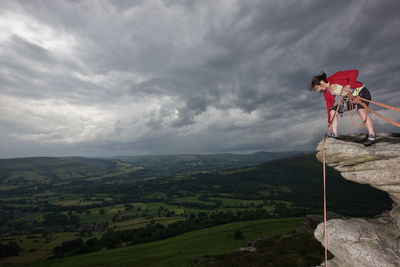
367 119
334 122
364 93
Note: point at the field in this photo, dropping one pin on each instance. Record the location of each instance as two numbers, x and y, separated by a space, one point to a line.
142 222
184 249
35 247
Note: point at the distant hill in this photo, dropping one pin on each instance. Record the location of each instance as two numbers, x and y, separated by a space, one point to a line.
204 162
296 179
47 169
291 183
44 169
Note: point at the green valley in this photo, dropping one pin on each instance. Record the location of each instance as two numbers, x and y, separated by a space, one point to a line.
87 210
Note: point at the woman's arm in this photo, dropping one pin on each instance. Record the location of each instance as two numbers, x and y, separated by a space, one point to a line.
350 76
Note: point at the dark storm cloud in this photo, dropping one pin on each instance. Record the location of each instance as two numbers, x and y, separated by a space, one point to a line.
158 76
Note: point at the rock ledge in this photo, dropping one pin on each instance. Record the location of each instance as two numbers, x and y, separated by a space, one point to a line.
357 241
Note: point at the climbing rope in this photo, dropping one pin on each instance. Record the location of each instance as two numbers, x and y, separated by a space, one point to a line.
353 101
324 171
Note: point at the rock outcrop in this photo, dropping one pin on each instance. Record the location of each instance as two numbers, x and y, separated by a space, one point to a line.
358 241
313 220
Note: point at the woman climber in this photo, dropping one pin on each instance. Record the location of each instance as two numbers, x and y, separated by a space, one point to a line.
332 86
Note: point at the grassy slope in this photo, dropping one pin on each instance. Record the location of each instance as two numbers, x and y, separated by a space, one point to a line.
183 249
42 168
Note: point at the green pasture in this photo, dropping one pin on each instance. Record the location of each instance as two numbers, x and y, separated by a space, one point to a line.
75 202
72 200
95 217
239 170
110 211
26 175
193 211
33 216
155 195
34 249
16 205
46 193
125 167
116 209
7 199
230 202
97 210
142 222
182 250
153 207
230 205
5 187
137 205
193 200
271 207
122 168
225 201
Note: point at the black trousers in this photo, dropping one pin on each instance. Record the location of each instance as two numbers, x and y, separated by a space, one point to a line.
345 106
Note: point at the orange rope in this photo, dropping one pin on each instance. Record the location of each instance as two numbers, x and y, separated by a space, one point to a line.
325 235
359 100
380 104
324 171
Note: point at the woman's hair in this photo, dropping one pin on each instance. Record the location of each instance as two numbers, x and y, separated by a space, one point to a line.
316 80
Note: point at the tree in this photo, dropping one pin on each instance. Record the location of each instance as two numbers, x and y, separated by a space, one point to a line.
111 239
11 249
93 244
238 235
72 245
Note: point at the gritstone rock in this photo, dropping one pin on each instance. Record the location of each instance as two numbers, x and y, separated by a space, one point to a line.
357 241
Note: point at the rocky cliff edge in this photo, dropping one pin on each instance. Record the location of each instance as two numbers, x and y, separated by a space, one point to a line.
365 241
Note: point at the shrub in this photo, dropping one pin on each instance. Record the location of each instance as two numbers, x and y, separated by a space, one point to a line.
238 235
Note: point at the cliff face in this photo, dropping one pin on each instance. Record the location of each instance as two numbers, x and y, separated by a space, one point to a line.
365 242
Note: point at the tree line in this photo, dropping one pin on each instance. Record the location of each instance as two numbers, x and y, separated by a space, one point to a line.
156 231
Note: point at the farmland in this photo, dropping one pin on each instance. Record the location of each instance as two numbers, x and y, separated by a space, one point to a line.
61 207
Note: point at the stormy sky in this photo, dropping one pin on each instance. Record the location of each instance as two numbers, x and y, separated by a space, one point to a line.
108 78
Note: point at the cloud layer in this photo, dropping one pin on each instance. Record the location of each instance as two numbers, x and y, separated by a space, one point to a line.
147 77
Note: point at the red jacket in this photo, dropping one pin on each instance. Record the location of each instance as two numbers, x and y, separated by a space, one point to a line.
343 78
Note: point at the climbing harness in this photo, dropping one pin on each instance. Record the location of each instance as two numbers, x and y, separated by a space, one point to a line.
352 102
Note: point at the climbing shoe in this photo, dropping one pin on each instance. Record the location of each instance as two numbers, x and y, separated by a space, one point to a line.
332 134
371 140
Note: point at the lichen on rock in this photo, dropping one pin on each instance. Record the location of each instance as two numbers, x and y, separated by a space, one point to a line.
359 241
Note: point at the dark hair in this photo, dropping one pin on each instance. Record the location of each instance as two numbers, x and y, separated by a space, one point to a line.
316 80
